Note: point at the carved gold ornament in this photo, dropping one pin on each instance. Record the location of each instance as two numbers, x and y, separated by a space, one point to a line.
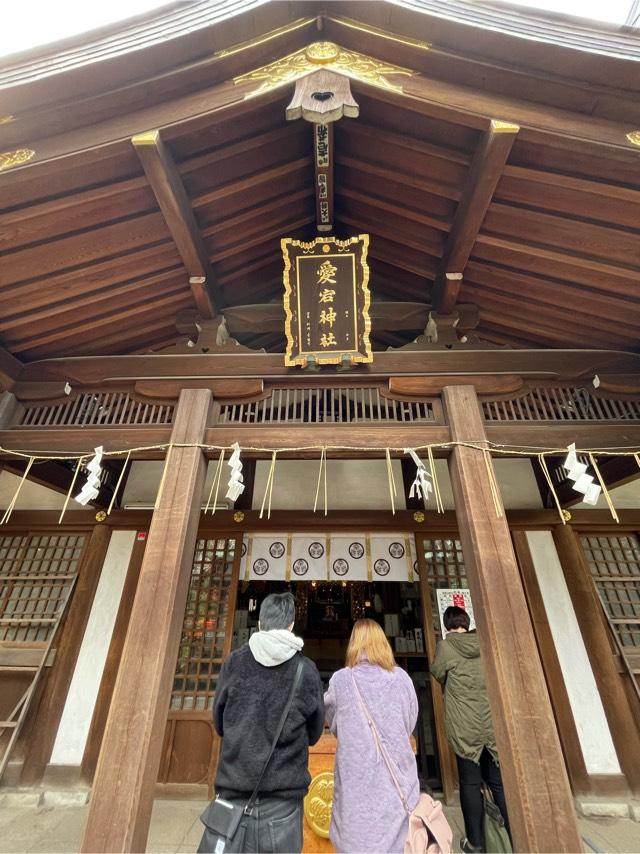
566 515
498 126
634 137
101 516
352 64
238 516
6 120
318 803
9 159
418 516
320 53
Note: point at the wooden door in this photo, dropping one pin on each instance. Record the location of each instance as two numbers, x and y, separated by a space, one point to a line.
191 745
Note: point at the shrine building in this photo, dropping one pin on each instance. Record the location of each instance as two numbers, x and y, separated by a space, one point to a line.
339 298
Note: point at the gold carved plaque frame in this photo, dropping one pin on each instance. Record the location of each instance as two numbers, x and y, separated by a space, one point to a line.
326 301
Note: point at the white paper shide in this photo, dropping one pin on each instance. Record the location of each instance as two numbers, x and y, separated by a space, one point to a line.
421 486
582 482
236 485
92 485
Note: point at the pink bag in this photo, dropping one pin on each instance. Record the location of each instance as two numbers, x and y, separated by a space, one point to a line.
429 831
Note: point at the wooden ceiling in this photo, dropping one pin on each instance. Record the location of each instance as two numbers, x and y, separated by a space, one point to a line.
91 264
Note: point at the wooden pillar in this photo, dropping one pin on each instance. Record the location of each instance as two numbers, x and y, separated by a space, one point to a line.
446 757
122 795
111 665
536 786
571 747
625 731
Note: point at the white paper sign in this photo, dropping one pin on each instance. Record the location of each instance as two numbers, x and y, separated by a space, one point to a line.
459 597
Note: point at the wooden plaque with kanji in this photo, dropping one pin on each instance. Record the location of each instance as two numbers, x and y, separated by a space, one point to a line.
326 301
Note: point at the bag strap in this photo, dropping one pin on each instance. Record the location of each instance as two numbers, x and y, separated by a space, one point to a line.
380 748
285 713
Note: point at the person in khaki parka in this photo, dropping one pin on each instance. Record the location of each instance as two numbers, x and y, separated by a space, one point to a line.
458 666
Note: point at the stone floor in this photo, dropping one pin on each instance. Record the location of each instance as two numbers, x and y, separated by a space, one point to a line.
175 827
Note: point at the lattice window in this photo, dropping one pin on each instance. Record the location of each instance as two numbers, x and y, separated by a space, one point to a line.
445 568
561 404
97 409
615 566
204 628
326 406
36 572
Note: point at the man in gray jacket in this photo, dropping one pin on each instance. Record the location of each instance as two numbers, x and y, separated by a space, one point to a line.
252 690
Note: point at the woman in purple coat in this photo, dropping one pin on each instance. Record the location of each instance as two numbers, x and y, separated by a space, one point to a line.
368 814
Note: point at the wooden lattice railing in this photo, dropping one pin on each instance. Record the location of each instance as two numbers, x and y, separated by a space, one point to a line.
96 409
328 406
547 403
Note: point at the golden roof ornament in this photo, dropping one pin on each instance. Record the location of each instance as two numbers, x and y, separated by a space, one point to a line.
357 66
634 137
9 159
320 53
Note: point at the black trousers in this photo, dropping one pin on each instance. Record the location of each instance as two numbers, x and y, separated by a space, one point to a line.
274 827
472 776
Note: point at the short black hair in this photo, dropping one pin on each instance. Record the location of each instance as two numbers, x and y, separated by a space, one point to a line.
277 611
456 618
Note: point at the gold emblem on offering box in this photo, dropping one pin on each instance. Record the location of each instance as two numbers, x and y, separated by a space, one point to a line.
326 301
318 803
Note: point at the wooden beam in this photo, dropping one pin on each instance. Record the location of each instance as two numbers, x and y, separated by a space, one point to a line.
175 205
531 758
485 171
595 634
402 434
10 369
122 795
386 316
445 291
49 473
547 364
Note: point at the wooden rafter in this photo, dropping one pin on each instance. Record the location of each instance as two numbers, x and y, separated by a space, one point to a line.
10 369
58 477
174 203
485 171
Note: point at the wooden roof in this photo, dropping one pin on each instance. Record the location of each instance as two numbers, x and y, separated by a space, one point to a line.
91 262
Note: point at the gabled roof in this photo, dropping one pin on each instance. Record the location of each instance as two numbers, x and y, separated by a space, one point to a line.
89 263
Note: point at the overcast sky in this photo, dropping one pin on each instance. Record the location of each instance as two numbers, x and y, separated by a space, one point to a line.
26 25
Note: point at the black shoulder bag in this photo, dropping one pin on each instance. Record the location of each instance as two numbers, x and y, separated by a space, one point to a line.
221 818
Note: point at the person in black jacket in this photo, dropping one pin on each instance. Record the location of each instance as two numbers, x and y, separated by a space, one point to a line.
252 690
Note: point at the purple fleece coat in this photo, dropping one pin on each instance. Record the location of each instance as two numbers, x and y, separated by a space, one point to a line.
367 811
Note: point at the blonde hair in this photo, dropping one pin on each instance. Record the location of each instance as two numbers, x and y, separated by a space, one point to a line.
369 641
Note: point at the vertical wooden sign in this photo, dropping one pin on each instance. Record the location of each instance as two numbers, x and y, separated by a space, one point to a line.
326 301
323 159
